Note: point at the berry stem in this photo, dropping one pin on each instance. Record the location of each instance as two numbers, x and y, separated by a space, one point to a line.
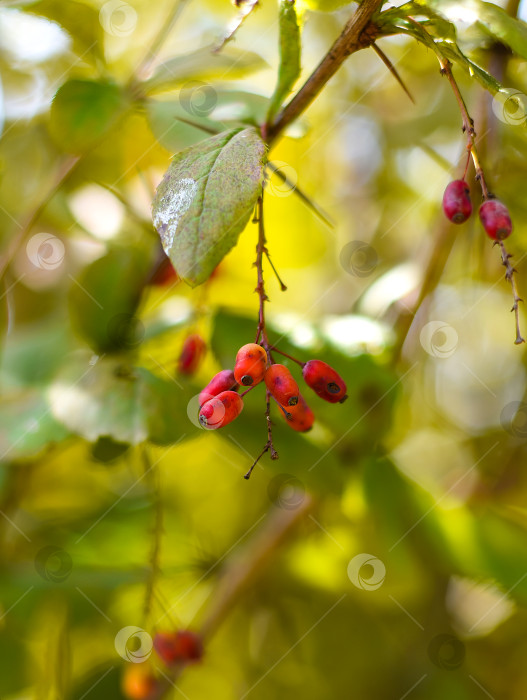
468 125
261 250
283 288
509 275
290 357
269 444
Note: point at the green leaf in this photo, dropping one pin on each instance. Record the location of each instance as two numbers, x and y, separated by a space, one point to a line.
290 50
83 111
206 198
107 398
169 119
27 426
323 5
104 299
203 64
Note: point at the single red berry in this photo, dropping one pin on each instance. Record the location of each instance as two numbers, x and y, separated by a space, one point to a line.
220 410
299 417
281 385
181 647
251 361
223 381
456 201
191 355
324 381
138 682
163 273
496 219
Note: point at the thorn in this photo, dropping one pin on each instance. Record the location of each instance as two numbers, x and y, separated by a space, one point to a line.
384 58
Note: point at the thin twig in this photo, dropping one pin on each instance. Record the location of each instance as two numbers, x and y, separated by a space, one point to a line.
281 352
509 275
245 10
269 444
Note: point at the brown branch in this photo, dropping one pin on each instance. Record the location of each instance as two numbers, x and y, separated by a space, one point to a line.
509 275
269 444
359 33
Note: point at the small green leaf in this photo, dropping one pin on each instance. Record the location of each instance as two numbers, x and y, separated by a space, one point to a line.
203 64
110 399
290 50
510 31
104 299
206 199
83 111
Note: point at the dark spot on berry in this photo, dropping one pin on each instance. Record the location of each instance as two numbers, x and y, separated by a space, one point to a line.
333 388
293 401
203 421
247 380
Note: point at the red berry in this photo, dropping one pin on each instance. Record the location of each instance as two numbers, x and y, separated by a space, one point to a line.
163 273
251 361
324 381
456 201
299 417
191 355
281 385
220 410
496 219
223 381
181 647
139 683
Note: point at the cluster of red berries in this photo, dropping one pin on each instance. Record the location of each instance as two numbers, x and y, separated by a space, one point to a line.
175 649
493 214
220 403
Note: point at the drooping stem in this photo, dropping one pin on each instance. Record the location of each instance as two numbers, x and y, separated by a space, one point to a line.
261 250
269 447
358 33
290 357
468 125
509 275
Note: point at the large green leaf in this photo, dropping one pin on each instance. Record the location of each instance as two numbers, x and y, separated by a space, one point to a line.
203 64
107 398
83 111
206 198
104 299
290 50
27 426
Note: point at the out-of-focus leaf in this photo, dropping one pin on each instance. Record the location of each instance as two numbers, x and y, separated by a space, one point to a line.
206 198
83 111
104 299
290 50
322 5
27 426
203 64
107 398
107 450
80 21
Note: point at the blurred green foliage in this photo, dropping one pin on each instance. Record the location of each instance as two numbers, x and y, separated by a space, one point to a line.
403 571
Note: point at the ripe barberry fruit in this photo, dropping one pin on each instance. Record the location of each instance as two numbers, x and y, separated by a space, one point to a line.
223 381
456 201
191 355
139 683
181 647
281 385
496 219
163 274
220 410
251 361
299 417
324 381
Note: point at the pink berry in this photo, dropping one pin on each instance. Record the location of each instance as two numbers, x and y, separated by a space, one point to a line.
496 219
456 201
